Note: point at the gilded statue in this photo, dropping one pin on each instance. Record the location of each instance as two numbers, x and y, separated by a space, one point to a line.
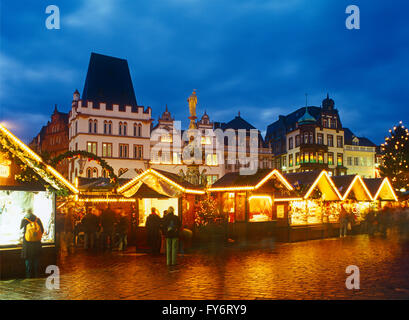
192 104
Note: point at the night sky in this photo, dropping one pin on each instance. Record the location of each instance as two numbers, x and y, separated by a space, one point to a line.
256 57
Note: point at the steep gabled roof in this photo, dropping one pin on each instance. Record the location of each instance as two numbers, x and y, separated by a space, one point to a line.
108 80
34 161
236 181
348 183
349 136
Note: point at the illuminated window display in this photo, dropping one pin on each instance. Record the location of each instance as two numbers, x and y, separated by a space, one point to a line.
260 208
146 204
14 206
305 212
228 205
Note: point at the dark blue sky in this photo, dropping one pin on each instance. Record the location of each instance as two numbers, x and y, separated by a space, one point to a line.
259 57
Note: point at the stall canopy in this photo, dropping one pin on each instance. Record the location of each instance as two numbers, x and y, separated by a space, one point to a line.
28 157
381 189
162 182
306 183
352 187
263 180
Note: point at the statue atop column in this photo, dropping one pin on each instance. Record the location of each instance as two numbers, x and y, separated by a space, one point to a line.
192 109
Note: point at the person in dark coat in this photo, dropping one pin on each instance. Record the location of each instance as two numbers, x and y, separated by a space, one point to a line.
108 220
171 228
122 229
89 225
31 250
153 227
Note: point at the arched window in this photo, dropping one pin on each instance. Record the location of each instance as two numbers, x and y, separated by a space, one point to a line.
90 126
125 128
95 173
95 126
135 129
311 138
110 127
89 173
105 127
306 137
139 130
120 129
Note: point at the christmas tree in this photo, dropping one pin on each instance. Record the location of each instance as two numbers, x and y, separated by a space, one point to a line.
395 157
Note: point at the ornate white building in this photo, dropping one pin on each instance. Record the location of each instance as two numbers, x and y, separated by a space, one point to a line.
107 121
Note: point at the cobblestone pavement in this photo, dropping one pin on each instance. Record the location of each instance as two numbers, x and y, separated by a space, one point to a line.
304 270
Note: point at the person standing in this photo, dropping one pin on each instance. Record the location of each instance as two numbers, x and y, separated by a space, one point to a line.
31 251
123 227
171 228
107 223
153 226
89 225
343 222
68 231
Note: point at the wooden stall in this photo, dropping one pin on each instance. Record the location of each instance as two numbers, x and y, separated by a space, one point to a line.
26 183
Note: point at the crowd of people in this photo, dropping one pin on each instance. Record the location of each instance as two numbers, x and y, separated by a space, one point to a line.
376 221
96 229
107 229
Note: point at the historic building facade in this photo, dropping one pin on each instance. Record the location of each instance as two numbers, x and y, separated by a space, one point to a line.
108 122
360 155
308 139
53 139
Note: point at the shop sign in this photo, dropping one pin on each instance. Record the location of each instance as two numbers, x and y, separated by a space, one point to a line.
280 211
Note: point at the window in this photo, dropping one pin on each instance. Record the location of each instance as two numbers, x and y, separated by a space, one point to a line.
320 138
135 130
125 128
290 143
177 158
356 161
339 142
211 160
92 147
89 173
361 161
330 140
138 151
105 127
313 157
306 137
110 127
330 158
297 158
284 161
90 126
107 150
333 123
306 157
95 173
120 129
139 130
349 161
95 126
311 138
290 160
297 140
76 127
211 178
123 150
340 159
320 157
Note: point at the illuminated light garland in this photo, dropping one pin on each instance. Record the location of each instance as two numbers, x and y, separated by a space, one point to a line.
387 182
261 197
287 199
274 172
357 178
323 173
99 200
34 155
161 176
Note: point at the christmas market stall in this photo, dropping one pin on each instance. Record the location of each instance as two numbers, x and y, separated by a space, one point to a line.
316 213
255 206
356 198
160 189
27 183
